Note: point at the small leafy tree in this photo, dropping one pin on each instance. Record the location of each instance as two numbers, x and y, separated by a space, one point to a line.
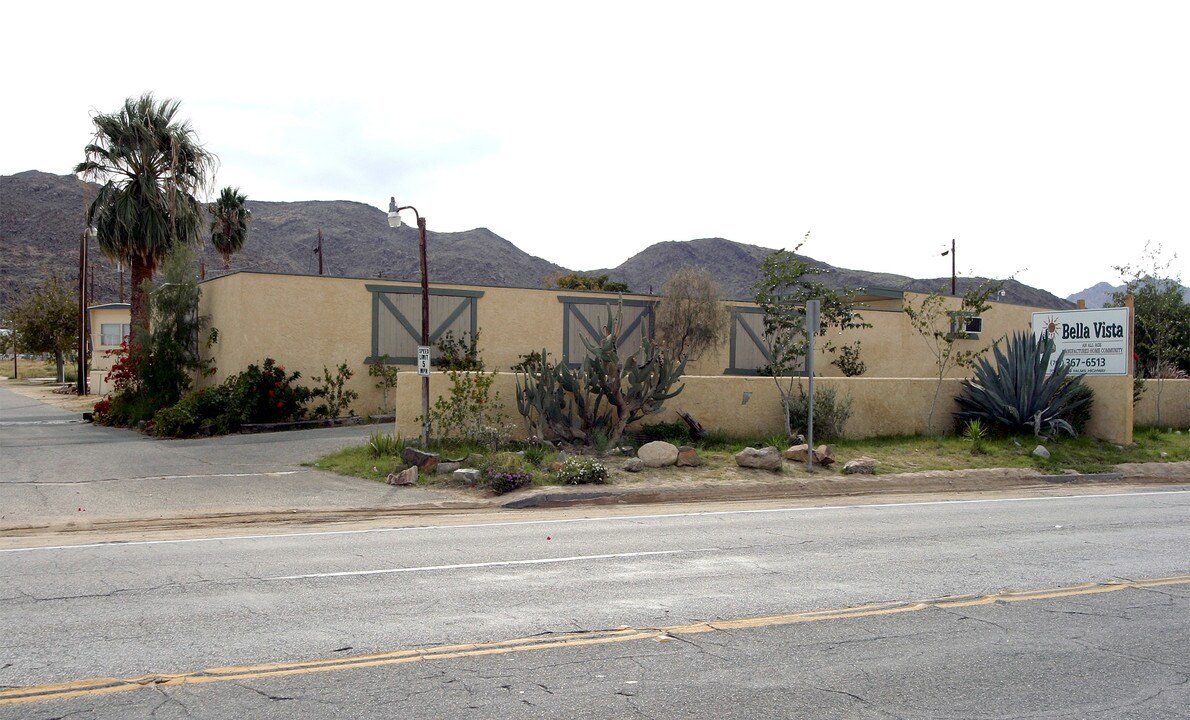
387 375
471 407
458 353
942 328
8 341
848 360
47 321
787 281
574 281
1162 324
690 319
171 357
337 398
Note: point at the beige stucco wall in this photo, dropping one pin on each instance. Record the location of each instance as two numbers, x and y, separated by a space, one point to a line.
891 348
751 406
308 322
1111 412
1175 404
304 323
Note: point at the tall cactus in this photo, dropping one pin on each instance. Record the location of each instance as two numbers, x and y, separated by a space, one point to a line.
603 396
557 399
634 387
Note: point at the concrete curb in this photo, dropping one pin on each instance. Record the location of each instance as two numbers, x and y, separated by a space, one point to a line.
840 486
835 486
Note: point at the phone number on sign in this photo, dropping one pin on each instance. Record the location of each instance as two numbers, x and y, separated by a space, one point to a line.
1090 363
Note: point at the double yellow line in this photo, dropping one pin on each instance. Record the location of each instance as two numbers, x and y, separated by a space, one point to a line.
104 686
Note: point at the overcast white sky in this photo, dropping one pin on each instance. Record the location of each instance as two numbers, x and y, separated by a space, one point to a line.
1050 139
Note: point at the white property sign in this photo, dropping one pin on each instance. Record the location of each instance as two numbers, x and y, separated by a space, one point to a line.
1095 341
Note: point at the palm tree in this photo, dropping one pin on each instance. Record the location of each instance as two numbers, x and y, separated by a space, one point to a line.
152 167
229 226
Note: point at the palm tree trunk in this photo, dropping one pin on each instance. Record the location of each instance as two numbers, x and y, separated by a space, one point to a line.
142 273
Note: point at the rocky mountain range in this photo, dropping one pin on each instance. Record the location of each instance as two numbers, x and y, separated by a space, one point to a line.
41 217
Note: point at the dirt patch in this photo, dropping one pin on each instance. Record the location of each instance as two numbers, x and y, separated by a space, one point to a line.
46 394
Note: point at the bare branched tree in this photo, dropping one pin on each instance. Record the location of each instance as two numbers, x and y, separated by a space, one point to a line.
690 317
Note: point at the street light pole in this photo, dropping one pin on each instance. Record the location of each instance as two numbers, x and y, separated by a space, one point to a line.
81 381
394 221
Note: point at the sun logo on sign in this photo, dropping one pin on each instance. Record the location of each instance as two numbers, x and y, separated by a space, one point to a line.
1050 330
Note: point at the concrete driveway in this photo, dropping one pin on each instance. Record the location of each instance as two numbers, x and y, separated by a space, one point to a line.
56 469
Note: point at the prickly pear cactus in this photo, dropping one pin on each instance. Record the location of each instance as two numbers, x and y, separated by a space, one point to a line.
603 396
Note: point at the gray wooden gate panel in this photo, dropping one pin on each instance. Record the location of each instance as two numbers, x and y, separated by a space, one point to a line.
396 320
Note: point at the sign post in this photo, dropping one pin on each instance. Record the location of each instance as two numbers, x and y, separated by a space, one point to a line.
813 310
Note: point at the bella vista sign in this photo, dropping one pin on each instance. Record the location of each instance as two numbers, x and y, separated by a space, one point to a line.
1095 341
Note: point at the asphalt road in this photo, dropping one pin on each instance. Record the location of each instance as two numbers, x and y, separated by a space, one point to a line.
679 615
56 469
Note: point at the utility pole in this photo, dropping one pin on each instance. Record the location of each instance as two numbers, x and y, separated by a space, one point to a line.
953 274
120 268
319 251
81 379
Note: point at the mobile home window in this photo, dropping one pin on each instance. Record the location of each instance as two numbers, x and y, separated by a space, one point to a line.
112 334
969 325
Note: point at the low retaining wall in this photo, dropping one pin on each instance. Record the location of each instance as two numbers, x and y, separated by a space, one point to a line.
1175 404
751 406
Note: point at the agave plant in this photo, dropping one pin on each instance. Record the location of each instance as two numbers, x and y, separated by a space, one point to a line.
1017 395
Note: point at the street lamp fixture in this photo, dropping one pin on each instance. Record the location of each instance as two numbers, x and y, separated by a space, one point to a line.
394 221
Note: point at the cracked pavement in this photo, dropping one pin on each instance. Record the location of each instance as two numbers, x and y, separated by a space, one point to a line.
137 609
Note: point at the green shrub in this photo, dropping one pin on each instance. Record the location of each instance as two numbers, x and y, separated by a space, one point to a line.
337 399
267 394
175 421
504 472
717 440
974 432
535 454
778 441
383 444
582 470
677 433
206 409
260 394
848 361
129 408
831 412
1083 399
